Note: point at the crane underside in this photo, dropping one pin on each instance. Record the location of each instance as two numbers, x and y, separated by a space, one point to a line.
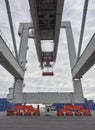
44 28
46 18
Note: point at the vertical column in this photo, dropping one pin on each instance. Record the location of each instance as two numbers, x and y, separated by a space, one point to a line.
78 92
18 85
17 91
10 95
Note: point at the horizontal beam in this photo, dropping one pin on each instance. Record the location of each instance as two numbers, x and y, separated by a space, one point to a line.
86 60
34 16
44 28
8 61
47 98
59 11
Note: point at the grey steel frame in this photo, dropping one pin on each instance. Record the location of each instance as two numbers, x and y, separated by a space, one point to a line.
19 97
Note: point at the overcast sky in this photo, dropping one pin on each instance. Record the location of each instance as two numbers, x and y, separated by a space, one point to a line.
62 80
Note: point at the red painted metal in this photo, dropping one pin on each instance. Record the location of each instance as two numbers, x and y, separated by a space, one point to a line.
47 73
26 110
78 110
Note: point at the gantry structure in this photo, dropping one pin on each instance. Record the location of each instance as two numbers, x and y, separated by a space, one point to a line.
45 26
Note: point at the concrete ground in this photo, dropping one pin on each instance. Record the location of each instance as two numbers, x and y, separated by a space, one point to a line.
47 122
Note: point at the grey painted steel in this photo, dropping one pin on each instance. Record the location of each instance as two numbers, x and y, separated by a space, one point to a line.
33 10
73 58
11 27
46 17
60 4
65 24
10 95
78 91
82 27
23 43
71 46
8 61
86 60
18 83
52 97
77 86
47 98
76 97
17 91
